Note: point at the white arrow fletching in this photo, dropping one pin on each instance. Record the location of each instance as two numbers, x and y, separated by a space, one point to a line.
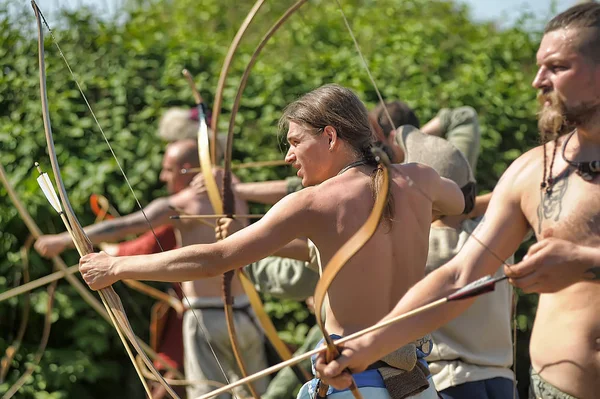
48 189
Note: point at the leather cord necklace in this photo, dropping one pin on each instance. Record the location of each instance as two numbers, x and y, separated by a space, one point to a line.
352 165
588 170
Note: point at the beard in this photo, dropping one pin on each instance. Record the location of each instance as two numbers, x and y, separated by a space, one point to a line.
557 119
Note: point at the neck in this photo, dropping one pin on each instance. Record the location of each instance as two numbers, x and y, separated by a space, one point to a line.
586 168
585 144
589 132
351 165
346 158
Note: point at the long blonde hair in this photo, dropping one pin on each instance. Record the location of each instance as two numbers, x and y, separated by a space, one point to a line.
339 107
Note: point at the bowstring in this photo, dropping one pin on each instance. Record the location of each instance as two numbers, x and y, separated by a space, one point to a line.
413 184
408 178
55 41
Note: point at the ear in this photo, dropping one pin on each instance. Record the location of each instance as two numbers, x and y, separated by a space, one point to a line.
186 165
332 136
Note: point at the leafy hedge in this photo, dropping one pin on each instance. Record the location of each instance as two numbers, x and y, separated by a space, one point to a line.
428 53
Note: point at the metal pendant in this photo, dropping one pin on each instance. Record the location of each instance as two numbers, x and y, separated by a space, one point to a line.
585 176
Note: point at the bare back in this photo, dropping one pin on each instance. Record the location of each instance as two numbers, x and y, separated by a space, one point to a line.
374 280
194 232
565 342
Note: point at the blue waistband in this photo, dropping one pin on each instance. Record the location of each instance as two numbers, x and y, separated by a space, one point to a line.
368 378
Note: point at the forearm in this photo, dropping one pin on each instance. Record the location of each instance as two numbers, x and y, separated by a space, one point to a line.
449 199
433 127
481 205
107 231
591 264
189 263
115 230
262 192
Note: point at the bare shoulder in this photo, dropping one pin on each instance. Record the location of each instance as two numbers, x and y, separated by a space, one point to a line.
300 210
183 198
416 169
532 156
417 172
306 198
523 172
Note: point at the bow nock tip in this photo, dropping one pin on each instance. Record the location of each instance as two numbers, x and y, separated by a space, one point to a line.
380 156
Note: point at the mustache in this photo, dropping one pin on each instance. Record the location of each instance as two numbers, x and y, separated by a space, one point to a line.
547 95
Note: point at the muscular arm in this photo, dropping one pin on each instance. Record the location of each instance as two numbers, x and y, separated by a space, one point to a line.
297 250
481 204
157 211
201 261
446 195
593 273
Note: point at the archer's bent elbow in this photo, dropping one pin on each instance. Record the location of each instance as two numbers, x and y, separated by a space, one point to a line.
461 203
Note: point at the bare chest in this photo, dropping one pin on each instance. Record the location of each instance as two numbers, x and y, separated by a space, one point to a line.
197 231
570 210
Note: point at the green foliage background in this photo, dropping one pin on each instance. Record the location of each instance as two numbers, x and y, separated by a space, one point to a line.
428 53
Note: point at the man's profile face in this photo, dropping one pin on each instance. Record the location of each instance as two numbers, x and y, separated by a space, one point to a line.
309 153
170 173
569 89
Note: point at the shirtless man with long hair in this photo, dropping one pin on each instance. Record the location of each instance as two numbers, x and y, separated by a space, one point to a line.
330 141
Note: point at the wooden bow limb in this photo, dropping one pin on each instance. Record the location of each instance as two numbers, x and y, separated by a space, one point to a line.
136 285
227 206
84 246
216 110
476 288
109 297
238 98
218 207
175 382
234 216
41 348
247 165
38 283
13 348
156 294
258 308
63 270
102 208
389 118
270 331
342 256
